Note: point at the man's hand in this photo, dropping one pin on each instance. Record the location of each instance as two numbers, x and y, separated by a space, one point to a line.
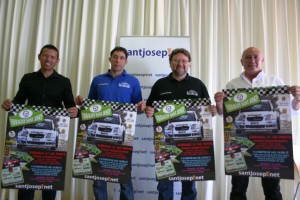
141 106
149 111
213 110
73 111
78 100
219 96
7 104
295 91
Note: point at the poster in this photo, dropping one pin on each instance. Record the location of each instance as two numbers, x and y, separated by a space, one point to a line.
258 132
104 141
148 61
35 148
183 140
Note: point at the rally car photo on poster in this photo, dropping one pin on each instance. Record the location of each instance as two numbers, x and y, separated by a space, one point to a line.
262 116
187 126
42 134
108 129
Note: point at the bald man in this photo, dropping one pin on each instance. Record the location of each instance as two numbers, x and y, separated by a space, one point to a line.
253 76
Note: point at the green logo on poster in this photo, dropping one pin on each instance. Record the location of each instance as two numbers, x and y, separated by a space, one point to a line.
169 111
96 111
26 116
241 100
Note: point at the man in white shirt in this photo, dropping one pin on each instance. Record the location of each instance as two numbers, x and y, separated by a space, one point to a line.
253 76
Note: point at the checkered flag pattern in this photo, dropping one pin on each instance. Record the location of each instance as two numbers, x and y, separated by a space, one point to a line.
262 91
87 103
189 103
16 108
114 105
49 111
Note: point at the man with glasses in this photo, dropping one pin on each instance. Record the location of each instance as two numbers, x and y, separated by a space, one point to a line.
115 86
253 76
178 85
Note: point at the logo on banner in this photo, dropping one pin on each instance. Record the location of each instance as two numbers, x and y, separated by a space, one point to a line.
146 52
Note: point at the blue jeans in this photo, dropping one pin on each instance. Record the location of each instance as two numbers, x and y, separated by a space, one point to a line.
29 194
100 191
165 189
270 186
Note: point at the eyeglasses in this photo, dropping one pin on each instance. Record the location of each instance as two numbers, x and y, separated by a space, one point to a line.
179 61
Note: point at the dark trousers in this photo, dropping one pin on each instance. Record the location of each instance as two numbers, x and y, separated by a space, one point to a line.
100 191
165 189
270 186
29 194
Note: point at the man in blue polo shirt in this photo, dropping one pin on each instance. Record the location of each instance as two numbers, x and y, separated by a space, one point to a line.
116 86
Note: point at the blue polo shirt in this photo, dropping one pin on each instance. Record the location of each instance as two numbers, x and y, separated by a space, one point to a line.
123 88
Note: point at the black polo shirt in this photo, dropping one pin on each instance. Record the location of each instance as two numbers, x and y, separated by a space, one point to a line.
53 91
168 88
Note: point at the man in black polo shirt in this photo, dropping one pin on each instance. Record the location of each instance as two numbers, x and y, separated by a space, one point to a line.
44 88
178 85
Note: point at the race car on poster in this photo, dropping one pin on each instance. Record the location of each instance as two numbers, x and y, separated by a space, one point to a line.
42 134
108 128
259 117
187 126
